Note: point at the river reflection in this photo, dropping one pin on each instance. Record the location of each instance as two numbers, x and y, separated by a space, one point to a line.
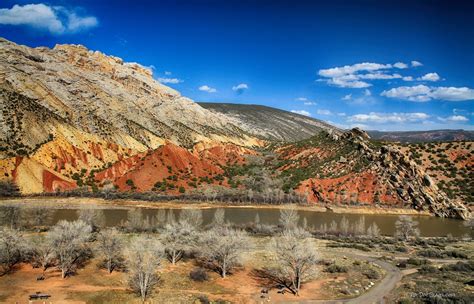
429 226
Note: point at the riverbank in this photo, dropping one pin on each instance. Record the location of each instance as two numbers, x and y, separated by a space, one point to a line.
74 202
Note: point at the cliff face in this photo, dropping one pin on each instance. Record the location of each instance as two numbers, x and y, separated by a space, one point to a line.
349 169
68 109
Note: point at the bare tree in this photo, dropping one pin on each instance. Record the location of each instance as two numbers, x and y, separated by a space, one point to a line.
143 258
344 226
109 246
191 216
373 230
177 239
11 249
406 227
69 242
289 218
359 226
135 221
296 256
42 253
11 216
39 216
223 248
333 227
92 217
219 217
160 218
256 220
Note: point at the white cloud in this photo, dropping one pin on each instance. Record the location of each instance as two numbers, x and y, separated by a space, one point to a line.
56 20
415 63
356 76
408 78
207 88
310 103
429 77
301 112
323 112
341 114
301 99
169 80
168 73
400 65
347 97
351 69
457 118
382 118
367 92
240 88
422 93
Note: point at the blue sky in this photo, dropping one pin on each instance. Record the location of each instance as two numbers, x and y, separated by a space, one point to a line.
387 65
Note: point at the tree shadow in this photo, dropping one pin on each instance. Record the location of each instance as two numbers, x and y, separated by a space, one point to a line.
270 279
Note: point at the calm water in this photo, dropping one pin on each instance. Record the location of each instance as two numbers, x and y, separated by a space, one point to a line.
429 226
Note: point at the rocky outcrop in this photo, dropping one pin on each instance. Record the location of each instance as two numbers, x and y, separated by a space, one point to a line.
369 174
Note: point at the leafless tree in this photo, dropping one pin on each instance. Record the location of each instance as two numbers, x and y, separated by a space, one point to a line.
160 218
344 226
359 226
39 216
177 238
219 217
256 220
92 217
42 253
406 227
135 221
373 230
333 227
223 247
69 241
193 217
296 257
109 245
11 216
143 257
11 249
289 218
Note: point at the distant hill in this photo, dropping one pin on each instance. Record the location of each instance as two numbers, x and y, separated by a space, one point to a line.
423 136
270 123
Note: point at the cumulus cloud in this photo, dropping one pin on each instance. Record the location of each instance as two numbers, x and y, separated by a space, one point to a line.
429 77
415 63
382 118
301 112
456 118
358 75
367 92
206 88
169 80
408 78
54 19
422 93
400 65
323 112
240 88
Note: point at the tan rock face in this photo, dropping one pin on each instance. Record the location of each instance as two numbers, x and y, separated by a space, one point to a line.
69 110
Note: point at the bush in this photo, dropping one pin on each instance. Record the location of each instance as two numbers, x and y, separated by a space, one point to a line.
417 262
336 269
199 275
460 267
371 274
427 269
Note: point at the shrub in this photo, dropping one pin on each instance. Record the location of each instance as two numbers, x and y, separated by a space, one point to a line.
199 275
427 269
417 262
371 274
336 269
